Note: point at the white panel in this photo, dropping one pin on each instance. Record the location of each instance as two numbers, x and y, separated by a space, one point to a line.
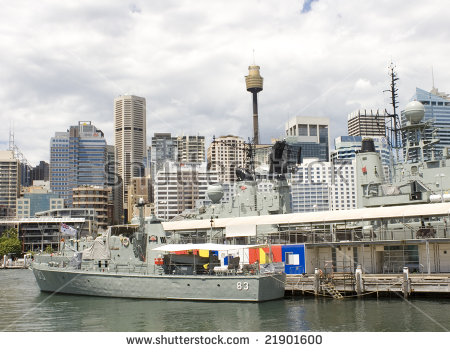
243 230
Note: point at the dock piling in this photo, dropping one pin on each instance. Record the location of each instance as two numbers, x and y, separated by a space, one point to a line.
316 281
359 280
406 286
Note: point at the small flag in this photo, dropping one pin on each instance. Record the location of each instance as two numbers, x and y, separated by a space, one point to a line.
364 170
68 230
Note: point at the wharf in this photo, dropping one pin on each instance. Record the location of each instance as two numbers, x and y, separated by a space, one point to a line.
358 284
13 267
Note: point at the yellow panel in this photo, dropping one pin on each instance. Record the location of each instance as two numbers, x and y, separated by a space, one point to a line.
203 253
262 256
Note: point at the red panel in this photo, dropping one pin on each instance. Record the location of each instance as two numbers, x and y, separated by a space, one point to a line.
253 255
277 256
276 253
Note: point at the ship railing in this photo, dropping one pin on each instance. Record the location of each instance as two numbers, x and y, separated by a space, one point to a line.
397 231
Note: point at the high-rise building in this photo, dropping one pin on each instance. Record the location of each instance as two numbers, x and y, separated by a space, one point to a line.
311 134
77 157
225 155
365 122
164 148
9 183
129 139
191 149
40 172
114 181
25 174
322 186
179 186
437 110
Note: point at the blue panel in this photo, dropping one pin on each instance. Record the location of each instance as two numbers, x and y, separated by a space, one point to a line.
296 249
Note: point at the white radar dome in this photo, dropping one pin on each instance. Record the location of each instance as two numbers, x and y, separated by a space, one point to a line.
215 193
414 111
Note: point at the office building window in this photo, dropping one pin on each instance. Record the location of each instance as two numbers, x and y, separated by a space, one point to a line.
302 130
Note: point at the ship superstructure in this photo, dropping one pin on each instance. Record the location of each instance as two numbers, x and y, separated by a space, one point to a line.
420 178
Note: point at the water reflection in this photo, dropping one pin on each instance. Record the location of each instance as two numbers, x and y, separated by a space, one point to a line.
24 308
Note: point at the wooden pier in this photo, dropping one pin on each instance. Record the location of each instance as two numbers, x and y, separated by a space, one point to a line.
339 285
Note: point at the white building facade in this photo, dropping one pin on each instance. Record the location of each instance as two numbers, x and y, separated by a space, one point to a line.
225 155
322 186
179 187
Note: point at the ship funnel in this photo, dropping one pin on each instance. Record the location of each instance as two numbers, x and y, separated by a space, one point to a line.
367 145
369 172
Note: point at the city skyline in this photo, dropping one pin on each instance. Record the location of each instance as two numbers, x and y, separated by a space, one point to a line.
189 61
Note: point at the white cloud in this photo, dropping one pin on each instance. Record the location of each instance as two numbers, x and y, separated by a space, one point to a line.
65 61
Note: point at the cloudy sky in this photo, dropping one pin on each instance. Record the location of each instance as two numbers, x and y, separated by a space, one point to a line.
65 61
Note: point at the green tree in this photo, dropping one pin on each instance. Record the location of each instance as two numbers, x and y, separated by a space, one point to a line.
9 243
10 233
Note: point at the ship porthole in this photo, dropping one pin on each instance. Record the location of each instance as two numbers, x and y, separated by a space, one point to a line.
218 285
189 284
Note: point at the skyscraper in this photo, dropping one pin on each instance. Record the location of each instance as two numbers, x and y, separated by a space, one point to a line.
129 139
367 123
9 183
77 157
113 181
164 148
225 154
191 149
40 172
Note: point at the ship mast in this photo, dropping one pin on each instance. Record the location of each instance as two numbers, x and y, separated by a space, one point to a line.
393 124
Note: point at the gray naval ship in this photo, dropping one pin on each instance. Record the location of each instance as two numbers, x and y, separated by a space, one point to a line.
148 264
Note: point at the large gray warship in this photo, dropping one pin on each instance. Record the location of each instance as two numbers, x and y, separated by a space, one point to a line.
421 177
146 265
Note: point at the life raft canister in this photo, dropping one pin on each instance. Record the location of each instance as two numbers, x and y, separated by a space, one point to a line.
126 241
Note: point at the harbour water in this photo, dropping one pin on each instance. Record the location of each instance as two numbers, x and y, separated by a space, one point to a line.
24 308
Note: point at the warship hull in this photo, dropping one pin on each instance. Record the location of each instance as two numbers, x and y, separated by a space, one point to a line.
250 288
